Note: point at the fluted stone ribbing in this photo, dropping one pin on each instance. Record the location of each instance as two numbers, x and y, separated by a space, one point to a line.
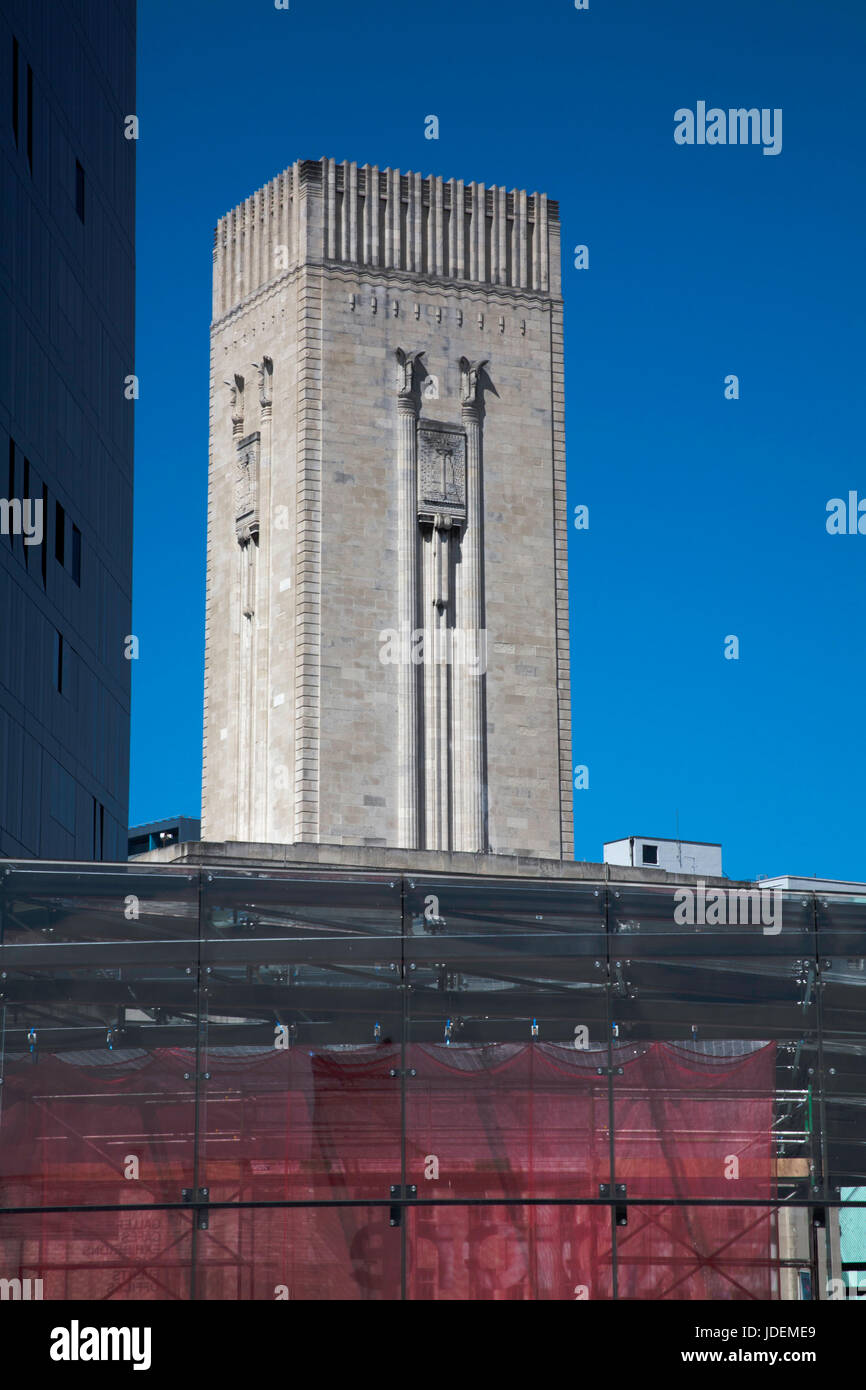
407 562
260 239
470 620
438 769
245 669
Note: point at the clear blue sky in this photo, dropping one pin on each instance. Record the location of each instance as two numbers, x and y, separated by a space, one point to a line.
707 516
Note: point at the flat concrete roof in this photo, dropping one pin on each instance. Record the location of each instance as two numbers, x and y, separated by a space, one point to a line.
664 840
381 859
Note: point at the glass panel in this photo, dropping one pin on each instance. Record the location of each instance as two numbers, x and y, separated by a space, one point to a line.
302 1049
841 919
99 1038
715 1046
506 1088
355 1036
299 1253
508 1253
843 1116
706 920
852 1242
712 1252
537 917
98 1255
842 954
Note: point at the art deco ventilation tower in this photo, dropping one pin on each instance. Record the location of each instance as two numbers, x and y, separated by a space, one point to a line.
387 618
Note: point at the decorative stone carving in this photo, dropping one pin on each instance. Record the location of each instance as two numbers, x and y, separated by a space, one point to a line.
470 378
236 396
265 369
410 374
247 489
441 472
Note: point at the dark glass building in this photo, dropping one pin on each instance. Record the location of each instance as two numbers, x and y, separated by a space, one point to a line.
67 172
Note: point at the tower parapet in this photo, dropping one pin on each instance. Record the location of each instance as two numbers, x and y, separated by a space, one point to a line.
382 218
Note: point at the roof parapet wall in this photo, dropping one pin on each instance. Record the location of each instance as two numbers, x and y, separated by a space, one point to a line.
323 211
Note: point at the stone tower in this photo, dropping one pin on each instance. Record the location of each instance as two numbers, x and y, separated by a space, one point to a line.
387 616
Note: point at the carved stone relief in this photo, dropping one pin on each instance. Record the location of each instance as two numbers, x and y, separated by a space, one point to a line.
247 488
441 472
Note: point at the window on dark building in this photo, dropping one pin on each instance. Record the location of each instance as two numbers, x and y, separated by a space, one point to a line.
79 189
98 828
76 555
15 92
30 117
44 546
11 491
59 533
25 493
58 662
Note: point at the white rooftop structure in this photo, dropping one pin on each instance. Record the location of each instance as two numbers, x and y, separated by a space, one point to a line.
792 884
655 852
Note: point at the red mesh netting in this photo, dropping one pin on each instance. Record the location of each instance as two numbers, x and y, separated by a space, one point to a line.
504 1121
